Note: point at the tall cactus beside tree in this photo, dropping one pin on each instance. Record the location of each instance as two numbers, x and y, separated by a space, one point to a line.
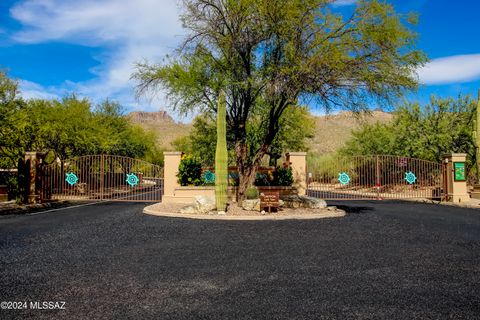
476 138
221 157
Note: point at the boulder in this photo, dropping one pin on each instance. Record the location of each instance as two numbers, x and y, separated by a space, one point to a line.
190 209
296 201
204 204
251 204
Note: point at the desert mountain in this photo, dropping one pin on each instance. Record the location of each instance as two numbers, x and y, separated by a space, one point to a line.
160 122
332 131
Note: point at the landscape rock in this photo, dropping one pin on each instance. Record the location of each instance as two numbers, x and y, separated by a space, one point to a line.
296 201
190 209
251 205
204 204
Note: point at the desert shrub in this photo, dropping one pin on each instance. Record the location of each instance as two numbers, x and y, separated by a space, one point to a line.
251 193
262 179
189 171
282 177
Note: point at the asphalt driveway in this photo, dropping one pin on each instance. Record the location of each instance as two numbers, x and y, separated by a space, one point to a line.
384 260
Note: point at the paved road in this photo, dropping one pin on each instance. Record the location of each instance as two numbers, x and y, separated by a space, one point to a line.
109 261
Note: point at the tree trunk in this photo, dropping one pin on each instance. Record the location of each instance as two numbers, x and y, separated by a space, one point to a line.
247 170
246 179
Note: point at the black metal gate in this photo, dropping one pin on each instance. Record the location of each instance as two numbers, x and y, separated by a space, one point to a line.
102 177
376 177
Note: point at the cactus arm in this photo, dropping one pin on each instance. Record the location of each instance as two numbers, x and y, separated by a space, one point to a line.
221 160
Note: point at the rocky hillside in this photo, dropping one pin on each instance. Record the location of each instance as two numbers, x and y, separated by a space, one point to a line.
332 131
160 122
149 117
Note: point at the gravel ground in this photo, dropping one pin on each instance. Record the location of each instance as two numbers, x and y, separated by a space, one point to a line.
384 260
234 210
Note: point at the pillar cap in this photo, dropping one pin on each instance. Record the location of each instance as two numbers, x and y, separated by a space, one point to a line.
172 153
31 153
296 153
450 155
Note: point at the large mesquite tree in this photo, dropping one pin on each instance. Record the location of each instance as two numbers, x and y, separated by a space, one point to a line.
269 54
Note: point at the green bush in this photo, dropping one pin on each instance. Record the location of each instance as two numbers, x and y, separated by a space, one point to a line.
251 193
262 179
282 177
189 171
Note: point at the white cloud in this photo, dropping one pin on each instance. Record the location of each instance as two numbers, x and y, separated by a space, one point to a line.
344 2
32 90
453 69
128 31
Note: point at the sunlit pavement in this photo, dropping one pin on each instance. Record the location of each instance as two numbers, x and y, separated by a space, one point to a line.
384 260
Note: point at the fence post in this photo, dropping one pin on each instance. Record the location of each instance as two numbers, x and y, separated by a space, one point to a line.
456 182
32 161
377 176
102 175
298 163
170 170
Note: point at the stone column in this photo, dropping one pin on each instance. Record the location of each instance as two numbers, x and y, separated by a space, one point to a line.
298 163
456 189
33 161
170 170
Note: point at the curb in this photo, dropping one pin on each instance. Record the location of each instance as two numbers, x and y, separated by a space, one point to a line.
29 208
465 205
331 214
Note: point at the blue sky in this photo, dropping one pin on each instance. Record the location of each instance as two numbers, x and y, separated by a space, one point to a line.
89 47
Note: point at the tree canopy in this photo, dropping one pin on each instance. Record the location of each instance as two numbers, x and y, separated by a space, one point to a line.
69 127
269 54
427 132
297 127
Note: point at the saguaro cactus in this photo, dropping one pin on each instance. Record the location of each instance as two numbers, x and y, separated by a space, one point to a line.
476 138
221 160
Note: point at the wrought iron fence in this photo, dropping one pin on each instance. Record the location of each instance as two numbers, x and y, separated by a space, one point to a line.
376 177
102 177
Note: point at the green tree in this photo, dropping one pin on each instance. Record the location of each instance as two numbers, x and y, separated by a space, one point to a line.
428 132
68 127
297 126
269 53
11 117
201 142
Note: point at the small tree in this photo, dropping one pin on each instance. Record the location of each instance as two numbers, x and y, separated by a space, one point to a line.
269 54
427 132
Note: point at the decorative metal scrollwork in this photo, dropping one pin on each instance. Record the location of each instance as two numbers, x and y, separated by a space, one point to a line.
71 178
410 177
132 179
344 178
209 176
